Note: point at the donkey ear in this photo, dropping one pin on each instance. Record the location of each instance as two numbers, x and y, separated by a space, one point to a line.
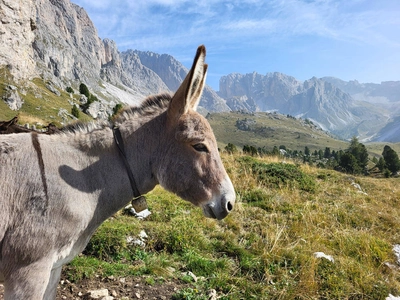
189 93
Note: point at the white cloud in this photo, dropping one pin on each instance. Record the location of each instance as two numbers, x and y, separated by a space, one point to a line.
327 28
171 20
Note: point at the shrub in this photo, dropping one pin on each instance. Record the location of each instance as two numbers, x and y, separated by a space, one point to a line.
83 89
117 108
75 111
69 90
231 148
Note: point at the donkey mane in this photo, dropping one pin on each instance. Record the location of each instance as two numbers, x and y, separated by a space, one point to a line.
152 105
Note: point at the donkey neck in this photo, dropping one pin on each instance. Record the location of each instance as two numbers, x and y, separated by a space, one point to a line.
143 143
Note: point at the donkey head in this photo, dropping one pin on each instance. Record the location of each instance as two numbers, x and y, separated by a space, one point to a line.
192 167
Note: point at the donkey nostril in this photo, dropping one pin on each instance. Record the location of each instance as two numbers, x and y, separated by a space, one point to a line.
229 206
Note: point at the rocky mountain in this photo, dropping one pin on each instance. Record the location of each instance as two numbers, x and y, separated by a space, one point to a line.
320 100
172 73
56 41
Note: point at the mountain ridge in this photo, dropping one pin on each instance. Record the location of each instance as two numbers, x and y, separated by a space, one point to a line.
59 43
342 111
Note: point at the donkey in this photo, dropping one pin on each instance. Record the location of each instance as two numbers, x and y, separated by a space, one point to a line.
57 189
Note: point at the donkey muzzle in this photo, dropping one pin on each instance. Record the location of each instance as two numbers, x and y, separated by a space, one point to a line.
219 207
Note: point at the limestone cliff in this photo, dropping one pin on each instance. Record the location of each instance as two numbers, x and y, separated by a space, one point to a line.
55 40
17 33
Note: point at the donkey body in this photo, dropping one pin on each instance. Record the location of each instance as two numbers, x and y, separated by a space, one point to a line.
57 189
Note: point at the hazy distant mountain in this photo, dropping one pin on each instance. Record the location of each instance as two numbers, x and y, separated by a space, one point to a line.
318 100
384 97
387 91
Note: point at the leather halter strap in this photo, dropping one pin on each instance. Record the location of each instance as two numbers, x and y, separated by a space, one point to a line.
120 144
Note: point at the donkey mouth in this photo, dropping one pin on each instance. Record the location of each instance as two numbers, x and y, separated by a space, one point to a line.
208 212
211 210
222 203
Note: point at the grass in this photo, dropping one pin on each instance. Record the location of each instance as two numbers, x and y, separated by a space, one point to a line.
264 249
40 106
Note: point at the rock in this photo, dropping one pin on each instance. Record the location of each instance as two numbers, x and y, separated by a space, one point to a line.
98 294
50 86
212 294
98 110
315 99
122 280
17 37
358 187
83 99
12 98
396 250
323 255
140 240
65 115
192 275
140 215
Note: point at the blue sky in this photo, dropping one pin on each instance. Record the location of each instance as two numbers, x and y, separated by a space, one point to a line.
347 39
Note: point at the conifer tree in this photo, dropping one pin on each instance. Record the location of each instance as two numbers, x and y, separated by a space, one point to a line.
391 158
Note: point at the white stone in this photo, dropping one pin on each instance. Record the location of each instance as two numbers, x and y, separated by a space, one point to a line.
98 294
323 255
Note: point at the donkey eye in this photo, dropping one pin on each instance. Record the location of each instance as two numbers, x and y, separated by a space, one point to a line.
200 147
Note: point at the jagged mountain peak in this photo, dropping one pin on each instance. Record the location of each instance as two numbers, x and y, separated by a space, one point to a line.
59 43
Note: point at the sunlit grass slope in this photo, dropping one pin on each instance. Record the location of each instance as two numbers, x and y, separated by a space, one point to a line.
40 106
265 248
269 130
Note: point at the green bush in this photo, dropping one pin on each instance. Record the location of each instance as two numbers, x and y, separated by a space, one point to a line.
83 89
75 111
230 148
117 108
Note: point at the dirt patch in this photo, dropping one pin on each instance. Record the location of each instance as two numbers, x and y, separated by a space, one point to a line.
118 288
